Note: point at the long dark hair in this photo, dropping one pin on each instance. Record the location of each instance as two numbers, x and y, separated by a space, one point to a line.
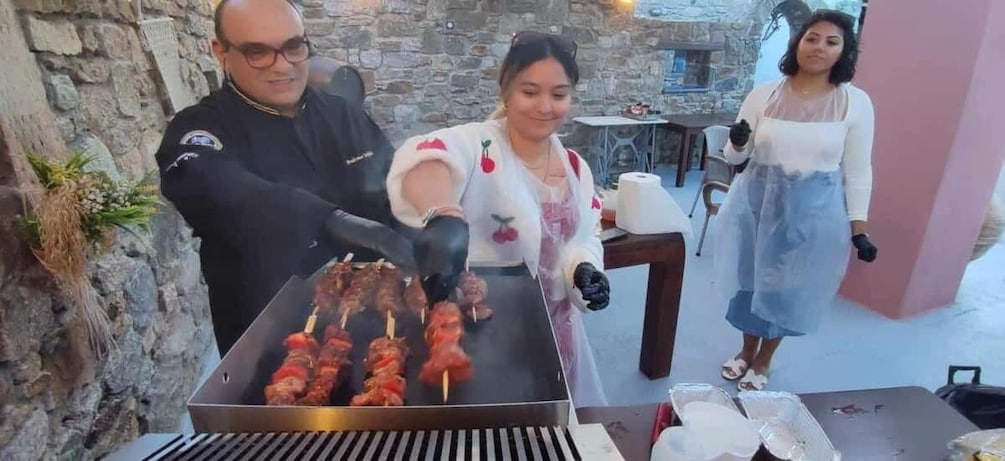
528 48
844 69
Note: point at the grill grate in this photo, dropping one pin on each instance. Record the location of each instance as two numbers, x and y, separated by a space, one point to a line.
504 444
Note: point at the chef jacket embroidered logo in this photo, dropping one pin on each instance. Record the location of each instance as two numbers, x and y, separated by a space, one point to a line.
201 138
363 156
181 158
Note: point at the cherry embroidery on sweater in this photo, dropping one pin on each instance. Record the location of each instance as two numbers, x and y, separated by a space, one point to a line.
506 233
432 144
488 165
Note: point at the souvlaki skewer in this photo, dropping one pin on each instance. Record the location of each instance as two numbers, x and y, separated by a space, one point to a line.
329 290
360 292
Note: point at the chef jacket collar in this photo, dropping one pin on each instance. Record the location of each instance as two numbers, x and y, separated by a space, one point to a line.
308 92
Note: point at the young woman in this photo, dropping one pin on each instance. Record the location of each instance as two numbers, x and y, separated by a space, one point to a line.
784 227
505 191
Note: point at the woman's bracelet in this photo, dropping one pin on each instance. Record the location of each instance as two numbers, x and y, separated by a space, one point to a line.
438 210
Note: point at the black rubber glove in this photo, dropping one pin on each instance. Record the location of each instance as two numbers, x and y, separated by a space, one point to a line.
739 133
441 250
866 250
349 229
594 286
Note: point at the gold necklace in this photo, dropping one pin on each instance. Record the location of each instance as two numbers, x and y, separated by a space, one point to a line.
547 163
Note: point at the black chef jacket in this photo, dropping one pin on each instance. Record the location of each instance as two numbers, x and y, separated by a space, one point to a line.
257 186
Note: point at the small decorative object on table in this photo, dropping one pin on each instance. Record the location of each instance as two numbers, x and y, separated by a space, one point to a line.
75 215
639 111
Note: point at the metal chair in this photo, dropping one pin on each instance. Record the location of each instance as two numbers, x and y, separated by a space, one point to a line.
716 137
715 167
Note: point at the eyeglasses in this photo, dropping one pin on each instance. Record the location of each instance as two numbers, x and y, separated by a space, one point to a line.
527 37
261 56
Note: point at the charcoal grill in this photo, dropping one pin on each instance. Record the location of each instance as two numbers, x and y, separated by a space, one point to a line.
528 443
518 378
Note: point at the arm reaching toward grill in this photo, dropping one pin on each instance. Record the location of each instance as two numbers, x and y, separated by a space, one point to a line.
585 247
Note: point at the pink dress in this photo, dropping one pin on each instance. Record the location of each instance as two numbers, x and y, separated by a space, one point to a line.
559 220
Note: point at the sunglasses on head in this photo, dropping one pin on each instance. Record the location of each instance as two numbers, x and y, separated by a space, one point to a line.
563 43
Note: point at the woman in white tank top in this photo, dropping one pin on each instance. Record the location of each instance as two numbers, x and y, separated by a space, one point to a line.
784 228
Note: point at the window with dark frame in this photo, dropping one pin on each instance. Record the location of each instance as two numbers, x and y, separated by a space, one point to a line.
686 71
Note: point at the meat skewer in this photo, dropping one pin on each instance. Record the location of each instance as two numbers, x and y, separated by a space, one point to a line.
385 362
334 356
329 289
472 291
447 363
415 298
360 292
290 380
388 298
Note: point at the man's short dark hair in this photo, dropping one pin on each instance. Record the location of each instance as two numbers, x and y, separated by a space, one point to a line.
844 69
218 15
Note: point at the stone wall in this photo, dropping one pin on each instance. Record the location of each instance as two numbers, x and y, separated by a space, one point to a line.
433 63
105 97
698 10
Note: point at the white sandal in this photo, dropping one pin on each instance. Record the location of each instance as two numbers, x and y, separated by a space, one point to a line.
735 366
752 381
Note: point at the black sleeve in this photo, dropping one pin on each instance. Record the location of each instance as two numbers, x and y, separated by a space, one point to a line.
222 200
366 135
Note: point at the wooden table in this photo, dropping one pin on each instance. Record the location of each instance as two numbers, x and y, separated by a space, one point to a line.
902 423
665 255
689 126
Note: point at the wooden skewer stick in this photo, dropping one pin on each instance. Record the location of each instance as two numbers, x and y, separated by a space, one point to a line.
309 327
422 316
390 325
345 318
446 385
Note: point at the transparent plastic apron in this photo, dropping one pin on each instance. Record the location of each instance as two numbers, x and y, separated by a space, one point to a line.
784 235
559 221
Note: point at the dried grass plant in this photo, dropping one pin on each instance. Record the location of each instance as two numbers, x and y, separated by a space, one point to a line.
75 215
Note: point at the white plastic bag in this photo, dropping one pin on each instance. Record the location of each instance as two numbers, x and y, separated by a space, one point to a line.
711 432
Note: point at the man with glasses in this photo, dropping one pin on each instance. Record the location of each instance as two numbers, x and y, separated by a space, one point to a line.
275 177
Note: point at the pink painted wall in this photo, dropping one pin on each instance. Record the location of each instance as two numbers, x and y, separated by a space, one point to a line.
935 70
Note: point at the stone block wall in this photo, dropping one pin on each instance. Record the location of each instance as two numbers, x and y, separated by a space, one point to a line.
698 10
433 63
106 98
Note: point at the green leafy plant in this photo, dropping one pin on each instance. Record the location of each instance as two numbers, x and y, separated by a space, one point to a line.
77 214
104 204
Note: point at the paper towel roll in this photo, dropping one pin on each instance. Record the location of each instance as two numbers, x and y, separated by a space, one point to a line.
645 207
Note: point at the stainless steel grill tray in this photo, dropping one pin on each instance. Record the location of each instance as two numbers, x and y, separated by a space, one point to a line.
518 379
